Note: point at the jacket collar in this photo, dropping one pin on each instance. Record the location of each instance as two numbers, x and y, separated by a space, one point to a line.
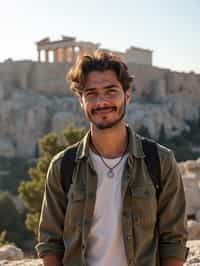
134 145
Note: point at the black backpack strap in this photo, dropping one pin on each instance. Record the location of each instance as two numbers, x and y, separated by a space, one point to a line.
67 167
152 161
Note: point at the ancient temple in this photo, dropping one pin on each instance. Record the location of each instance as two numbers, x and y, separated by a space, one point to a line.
68 48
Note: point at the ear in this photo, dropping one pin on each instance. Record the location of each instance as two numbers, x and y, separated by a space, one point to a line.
128 95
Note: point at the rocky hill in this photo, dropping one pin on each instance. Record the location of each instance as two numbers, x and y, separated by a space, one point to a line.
34 99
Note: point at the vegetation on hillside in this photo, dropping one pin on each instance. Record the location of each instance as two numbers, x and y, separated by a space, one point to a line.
182 145
3 240
12 228
31 191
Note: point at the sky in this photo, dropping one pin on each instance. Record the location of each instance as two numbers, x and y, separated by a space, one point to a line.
170 28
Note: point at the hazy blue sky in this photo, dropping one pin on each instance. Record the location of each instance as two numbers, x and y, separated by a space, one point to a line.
170 28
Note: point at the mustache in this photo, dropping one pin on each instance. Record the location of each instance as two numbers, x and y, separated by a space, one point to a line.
113 108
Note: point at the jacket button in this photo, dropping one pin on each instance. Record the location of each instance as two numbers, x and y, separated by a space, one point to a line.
129 237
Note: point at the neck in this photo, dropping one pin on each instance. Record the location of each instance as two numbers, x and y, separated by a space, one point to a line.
111 142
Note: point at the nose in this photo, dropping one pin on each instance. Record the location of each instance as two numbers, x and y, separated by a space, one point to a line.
101 98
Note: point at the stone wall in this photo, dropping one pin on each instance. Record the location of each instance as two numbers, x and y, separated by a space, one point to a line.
138 56
35 99
183 82
50 78
41 77
144 77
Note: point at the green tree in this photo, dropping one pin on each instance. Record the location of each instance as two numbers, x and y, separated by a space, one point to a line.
12 227
31 191
3 240
182 144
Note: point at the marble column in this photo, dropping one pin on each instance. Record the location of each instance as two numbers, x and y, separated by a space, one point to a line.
39 57
68 54
73 55
55 56
47 56
62 55
65 54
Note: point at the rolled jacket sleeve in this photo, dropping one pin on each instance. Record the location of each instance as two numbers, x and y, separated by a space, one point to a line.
50 235
171 210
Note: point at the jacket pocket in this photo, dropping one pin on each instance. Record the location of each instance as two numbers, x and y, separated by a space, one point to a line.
76 195
75 208
144 204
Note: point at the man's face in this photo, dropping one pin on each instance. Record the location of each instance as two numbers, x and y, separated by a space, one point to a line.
103 99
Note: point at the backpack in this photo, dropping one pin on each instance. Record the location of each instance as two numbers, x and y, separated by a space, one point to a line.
151 159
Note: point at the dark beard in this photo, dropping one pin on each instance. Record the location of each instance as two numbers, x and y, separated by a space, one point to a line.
111 124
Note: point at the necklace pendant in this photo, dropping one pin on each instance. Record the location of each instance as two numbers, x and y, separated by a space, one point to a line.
110 173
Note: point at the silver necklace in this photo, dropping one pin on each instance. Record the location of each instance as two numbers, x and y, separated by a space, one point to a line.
110 172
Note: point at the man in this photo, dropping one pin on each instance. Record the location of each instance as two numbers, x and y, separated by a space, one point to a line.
113 217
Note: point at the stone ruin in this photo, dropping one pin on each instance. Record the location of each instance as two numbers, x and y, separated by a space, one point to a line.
35 98
68 49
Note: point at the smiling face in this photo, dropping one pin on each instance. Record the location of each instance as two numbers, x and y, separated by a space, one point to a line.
103 99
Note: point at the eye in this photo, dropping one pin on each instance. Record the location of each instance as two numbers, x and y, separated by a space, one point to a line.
90 93
112 91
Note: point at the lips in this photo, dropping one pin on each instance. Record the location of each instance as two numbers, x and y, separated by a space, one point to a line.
105 110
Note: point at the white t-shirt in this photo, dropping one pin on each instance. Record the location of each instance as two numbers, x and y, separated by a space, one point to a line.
105 241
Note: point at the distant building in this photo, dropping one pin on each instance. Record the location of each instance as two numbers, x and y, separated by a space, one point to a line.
68 48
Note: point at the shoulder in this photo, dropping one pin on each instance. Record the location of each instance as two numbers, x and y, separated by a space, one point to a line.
57 159
166 157
164 153
168 163
54 170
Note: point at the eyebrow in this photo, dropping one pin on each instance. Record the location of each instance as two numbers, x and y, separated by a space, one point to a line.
106 87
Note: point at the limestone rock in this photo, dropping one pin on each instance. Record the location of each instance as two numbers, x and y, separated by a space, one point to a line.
192 194
61 120
193 257
194 253
193 230
197 216
192 260
158 90
11 252
153 117
24 262
190 171
7 148
2 92
34 100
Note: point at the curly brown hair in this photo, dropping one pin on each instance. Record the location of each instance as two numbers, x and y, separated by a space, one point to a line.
99 61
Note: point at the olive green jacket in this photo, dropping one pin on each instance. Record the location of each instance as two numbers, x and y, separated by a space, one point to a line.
152 229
